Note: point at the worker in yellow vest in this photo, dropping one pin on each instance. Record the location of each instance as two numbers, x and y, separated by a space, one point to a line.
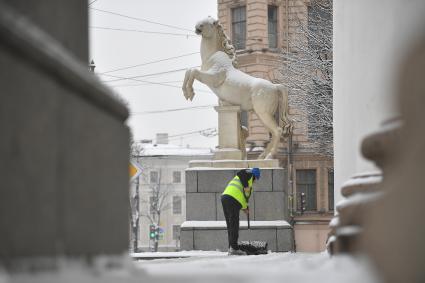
234 198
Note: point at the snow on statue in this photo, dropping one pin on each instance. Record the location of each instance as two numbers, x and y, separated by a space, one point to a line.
234 87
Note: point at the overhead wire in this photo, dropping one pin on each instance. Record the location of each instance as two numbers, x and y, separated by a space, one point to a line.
92 2
208 132
142 84
155 83
150 62
141 19
146 75
145 31
173 110
202 132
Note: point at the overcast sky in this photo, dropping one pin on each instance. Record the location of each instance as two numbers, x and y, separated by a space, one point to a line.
113 49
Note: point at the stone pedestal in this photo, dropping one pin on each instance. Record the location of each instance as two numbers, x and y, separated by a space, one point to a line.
212 235
268 205
229 133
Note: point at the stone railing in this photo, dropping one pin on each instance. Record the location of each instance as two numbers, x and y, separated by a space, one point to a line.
362 191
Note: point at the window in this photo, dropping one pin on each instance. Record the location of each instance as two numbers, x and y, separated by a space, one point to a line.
177 205
154 177
176 232
244 118
177 177
331 188
306 183
239 27
272 25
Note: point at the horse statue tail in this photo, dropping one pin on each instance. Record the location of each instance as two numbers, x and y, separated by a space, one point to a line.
286 122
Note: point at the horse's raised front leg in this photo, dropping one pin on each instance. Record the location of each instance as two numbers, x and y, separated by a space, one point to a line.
188 88
210 78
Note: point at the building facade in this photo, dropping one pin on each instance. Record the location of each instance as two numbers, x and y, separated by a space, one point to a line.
259 30
162 191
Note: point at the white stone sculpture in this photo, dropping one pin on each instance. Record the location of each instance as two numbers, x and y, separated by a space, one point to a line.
234 87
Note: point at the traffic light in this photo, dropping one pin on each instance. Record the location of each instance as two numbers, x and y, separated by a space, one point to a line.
157 230
152 231
303 202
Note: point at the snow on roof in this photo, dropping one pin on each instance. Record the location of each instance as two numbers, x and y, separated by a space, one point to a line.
175 150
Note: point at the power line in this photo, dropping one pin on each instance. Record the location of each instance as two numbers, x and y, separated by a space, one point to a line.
150 62
144 31
133 79
191 133
146 75
166 82
172 110
209 132
92 2
141 20
155 83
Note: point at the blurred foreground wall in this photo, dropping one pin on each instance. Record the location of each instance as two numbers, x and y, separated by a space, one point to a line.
379 96
63 142
371 38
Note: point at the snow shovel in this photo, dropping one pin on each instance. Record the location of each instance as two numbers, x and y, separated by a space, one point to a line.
253 247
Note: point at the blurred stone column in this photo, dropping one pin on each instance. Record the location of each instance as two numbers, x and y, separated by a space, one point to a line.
64 146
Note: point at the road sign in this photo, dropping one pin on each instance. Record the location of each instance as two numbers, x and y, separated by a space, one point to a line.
134 170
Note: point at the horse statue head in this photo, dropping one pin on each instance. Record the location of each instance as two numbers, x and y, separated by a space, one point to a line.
212 30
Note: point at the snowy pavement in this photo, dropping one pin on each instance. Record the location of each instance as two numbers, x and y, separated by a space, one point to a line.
204 267
170 255
273 267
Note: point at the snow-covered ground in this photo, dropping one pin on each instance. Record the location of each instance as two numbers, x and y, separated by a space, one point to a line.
273 267
208 267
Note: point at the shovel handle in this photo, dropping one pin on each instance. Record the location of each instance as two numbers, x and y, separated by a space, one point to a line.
247 215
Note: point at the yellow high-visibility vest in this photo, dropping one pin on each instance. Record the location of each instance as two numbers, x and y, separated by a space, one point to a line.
235 190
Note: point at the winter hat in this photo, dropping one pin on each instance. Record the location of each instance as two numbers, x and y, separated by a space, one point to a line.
256 172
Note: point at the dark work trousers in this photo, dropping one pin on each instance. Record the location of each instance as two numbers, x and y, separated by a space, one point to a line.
231 208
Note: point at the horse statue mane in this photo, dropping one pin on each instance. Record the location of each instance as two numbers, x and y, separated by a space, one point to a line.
226 43
233 87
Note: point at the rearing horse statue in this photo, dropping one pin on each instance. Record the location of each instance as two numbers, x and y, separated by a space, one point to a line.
234 87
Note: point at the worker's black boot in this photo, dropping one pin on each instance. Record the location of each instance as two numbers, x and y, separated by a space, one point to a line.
232 251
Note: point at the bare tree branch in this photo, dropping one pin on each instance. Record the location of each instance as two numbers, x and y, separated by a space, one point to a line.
307 72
